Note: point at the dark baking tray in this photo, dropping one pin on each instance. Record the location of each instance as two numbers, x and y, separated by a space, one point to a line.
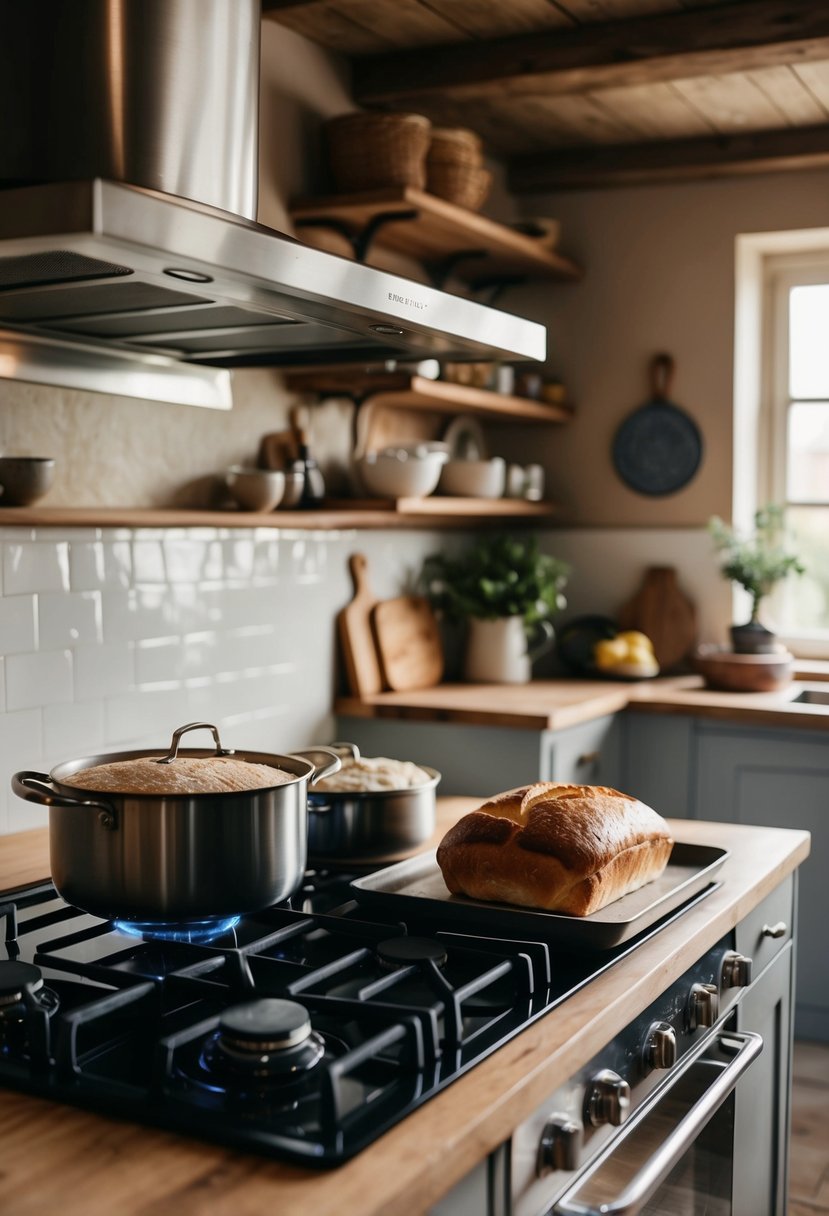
416 887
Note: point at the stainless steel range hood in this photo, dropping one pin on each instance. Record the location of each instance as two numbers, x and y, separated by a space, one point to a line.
129 263
112 288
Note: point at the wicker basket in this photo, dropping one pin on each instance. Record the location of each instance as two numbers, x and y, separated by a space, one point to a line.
455 146
466 186
369 151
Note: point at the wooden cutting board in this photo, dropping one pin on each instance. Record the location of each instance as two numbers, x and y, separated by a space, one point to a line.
661 610
408 642
362 666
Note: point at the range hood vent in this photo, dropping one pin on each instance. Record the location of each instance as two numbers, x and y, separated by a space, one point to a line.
129 261
137 293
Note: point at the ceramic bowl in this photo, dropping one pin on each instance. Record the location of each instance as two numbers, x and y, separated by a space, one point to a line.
25 479
473 478
294 483
255 489
399 473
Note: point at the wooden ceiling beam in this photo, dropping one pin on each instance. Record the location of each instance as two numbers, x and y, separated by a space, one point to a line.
732 37
594 166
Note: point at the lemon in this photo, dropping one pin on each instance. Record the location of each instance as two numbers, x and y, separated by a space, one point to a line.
609 652
632 637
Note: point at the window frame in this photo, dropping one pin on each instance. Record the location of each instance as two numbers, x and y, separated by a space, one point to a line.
781 273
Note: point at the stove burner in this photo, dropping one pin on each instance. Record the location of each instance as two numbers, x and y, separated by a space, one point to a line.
408 951
200 931
268 1037
17 978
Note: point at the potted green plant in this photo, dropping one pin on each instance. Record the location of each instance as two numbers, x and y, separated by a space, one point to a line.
506 591
757 563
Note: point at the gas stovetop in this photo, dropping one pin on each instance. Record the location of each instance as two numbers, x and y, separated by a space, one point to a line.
303 1032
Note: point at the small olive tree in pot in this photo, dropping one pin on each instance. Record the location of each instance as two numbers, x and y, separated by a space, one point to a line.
757 563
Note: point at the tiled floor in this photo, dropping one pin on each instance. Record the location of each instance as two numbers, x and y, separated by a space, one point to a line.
809 1177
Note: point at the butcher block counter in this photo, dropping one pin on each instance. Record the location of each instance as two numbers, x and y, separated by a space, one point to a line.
56 1158
563 703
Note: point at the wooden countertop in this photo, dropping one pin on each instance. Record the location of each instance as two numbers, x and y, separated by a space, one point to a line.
58 1158
559 704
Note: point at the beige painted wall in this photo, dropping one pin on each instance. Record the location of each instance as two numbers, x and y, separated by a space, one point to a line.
659 275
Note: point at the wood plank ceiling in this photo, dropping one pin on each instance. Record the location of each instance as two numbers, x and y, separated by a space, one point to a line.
576 93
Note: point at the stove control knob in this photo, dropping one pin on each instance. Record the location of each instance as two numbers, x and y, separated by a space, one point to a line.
660 1046
560 1146
608 1099
703 1006
736 970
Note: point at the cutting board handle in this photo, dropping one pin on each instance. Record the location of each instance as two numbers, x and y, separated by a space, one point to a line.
661 375
358 566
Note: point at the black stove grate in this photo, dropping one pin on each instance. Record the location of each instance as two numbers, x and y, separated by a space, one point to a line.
133 1027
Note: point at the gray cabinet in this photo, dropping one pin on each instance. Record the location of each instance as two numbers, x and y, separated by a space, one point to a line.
483 760
778 779
657 760
697 767
764 1095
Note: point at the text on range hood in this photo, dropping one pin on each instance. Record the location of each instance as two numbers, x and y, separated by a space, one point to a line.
113 288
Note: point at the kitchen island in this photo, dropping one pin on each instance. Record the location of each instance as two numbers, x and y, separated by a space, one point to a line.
58 1158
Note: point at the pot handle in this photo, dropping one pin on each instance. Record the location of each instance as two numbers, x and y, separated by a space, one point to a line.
546 641
182 730
324 759
37 787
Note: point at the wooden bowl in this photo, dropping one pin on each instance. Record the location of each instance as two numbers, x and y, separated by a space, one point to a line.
731 672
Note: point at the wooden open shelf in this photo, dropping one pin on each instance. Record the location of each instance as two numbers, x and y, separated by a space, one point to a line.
479 250
402 391
336 514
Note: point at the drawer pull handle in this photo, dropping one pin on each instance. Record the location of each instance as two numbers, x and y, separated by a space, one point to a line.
778 930
588 758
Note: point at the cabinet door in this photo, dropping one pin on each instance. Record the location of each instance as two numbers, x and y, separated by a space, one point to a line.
763 1095
656 765
589 754
772 779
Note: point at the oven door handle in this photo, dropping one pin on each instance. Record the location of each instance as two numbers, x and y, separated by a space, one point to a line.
656 1169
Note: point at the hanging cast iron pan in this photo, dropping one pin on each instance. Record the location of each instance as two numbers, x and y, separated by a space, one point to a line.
658 448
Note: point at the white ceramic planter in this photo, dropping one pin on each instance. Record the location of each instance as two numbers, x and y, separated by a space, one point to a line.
499 651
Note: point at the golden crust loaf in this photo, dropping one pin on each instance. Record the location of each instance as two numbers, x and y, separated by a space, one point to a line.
564 848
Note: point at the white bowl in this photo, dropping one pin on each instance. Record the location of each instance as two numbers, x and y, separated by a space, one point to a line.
255 489
474 478
397 474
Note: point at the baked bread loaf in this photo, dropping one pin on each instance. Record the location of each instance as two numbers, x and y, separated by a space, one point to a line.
564 848
184 776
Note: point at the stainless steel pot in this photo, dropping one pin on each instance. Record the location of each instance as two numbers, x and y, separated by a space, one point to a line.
172 858
375 823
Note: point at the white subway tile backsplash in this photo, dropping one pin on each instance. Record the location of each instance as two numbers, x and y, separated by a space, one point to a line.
40 566
18 623
40 678
70 731
111 638
98 564
192 561
152 713
68 619
148 562
21 742
103 671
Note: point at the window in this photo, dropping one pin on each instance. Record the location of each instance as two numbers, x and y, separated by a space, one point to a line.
796 436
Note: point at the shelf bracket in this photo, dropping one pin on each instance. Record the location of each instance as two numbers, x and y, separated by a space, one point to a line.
362 240
440 272
497 286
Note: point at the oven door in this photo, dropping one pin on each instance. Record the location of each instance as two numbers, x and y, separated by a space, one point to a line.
674 1157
